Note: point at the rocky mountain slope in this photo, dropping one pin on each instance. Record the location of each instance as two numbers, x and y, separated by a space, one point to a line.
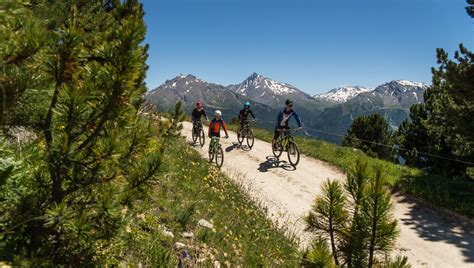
333 111
190 89
392 100
270 92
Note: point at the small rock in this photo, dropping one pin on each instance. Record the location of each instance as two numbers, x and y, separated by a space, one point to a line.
187 235
206 224
168 233
179 245
217 264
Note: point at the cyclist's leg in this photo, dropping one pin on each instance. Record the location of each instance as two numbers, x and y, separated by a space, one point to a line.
241 126
276 135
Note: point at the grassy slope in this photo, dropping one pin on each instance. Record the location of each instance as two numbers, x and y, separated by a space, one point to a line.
455 194
192 190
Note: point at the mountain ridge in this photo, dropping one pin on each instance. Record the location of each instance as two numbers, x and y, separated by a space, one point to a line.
332 111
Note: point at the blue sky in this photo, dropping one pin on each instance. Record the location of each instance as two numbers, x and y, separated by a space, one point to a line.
315 45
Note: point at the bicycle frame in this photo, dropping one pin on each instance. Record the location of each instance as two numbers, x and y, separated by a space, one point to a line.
215 143
285 138
197 126
246 127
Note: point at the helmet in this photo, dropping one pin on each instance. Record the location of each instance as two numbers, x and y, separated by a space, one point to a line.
247 105
217 112
199 104
288 103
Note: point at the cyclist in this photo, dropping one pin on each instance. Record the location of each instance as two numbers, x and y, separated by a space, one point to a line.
283 119
216 124
198 113
243 116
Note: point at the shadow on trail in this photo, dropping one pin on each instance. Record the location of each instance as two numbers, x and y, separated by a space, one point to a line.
230 148
245 147
236 145
434 226
273 162
195 145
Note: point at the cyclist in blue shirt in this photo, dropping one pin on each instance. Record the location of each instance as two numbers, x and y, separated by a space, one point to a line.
283 119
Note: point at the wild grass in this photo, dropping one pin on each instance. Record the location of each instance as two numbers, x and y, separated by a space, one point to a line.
455 194
191 190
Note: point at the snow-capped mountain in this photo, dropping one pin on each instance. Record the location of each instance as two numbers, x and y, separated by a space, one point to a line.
342 94
256 81
270 92
392 100
332 112
190 89
402 93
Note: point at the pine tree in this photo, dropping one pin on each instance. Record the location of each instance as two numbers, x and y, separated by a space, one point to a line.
443 123
318 255
368 133
355 236
360 231
470 8
328 216
177 116
376 211
93 155
412 136
23 37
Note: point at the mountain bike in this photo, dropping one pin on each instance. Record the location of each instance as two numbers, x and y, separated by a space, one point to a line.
246 133
286 142
198 133
215 152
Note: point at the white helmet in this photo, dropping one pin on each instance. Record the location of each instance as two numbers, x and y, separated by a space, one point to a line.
218 112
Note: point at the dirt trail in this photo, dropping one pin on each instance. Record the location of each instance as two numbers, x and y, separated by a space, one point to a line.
427 238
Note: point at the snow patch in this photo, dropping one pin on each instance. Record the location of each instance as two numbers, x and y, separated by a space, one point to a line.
410 83
343 94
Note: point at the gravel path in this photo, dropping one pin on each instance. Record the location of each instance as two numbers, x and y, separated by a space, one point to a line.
427 238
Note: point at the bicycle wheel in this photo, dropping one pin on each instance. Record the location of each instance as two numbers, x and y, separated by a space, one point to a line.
202 138
293 153
277 148
211 152
241 136
250 139
194 134
219 157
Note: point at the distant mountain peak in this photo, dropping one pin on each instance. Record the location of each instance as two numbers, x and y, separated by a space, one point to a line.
185 76
257 81
401 86
342 94
406 83
254 76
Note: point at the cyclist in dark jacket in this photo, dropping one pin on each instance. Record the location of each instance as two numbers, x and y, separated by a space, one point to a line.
283 119
243 116
198 113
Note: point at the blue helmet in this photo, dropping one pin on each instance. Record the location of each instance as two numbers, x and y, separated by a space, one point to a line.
247 105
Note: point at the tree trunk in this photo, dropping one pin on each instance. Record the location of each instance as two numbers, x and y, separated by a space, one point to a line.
53 166
333 243
373 234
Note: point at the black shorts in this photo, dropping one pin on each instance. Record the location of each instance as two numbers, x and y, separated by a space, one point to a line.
276 134
215 134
